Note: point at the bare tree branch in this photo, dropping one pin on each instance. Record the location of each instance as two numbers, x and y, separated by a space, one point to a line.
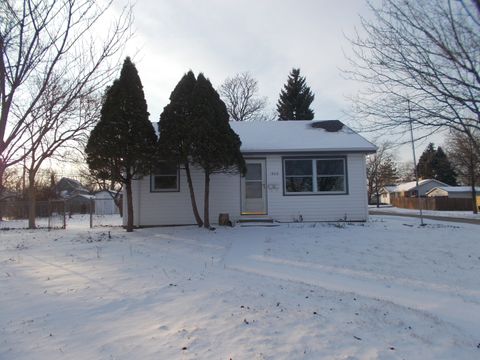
240 94
423 53
41 41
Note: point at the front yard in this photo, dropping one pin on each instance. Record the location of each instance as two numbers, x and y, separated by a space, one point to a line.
387 289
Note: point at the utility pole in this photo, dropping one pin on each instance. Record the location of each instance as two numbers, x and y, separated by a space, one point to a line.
419 202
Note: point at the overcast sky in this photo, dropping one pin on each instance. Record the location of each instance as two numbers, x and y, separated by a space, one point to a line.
265 37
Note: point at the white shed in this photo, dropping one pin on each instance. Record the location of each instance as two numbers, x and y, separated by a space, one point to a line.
104 203
296 171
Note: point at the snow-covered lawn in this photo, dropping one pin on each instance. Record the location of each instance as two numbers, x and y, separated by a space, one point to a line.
453 214
387 289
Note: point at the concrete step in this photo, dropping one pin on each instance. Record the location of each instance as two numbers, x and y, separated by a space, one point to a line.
255 219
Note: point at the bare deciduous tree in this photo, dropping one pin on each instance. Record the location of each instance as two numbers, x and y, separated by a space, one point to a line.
57 123
42 41
421 63
466 161
381 171
240 94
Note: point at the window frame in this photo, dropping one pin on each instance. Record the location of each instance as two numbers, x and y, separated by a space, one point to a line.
152 181
314 175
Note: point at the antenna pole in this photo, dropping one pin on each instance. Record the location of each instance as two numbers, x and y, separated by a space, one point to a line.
419 202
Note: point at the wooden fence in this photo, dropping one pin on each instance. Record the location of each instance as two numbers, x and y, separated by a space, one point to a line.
433 203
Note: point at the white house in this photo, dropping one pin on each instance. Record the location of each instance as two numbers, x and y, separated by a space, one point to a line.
296 171
453 192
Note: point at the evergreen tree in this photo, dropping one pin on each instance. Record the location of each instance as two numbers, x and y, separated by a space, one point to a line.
121 145
443 168
216 146
434 164
176 139
295 99
425 163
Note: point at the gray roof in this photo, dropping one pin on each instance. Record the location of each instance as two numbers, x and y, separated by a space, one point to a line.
298 136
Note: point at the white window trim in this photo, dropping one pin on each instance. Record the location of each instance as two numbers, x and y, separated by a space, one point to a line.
314 177
152 182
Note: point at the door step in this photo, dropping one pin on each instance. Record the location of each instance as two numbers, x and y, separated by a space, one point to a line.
255 220
258 224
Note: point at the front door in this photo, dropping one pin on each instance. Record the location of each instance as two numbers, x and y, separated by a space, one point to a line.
254 199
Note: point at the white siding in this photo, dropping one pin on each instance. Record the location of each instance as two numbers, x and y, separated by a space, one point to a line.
385 198
353 205
174 208
104 204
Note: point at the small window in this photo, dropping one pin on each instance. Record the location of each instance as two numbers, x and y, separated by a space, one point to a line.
165 177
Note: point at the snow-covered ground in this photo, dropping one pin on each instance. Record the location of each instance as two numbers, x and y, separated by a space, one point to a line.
75 221
453 214
387 289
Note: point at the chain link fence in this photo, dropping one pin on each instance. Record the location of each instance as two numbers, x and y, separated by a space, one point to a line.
50 214
94 213
78 212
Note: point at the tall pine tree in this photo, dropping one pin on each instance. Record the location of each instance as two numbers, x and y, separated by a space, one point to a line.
121 145
443 168
176 139
295 99
434 164
425 163
216 145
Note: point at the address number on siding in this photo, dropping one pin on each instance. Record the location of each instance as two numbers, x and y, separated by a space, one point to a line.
274 173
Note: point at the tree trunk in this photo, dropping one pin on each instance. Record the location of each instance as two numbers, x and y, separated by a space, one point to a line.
198 218
206 216
128 186
474 200
31 201
119 204
472 182
2 174
378 198
474 194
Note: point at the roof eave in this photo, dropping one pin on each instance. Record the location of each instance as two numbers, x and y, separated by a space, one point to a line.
309 151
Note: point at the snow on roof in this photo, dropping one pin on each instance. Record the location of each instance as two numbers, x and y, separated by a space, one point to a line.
456 188
412 185
297 136
390 188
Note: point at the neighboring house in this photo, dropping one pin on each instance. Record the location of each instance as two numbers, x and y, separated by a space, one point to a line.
77 198
453 192
7 195
296 171
409 189
105 203
66 188
385 193
80 203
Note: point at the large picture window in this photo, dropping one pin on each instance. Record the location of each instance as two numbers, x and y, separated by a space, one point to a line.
165 177
315 176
